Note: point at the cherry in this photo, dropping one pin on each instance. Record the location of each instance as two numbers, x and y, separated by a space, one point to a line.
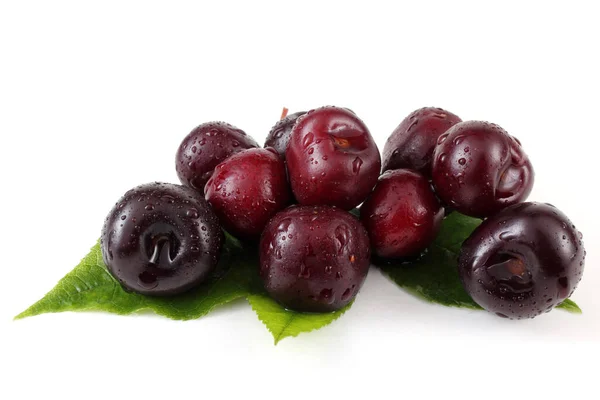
161 239
402 215
247 189
412 142
522 261
479 169
332 158
279 136
205 147
314 258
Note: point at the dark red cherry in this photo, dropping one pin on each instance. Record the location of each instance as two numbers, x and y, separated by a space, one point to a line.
479 169
522 261
279 136
412 143
314 258
161 239
204 148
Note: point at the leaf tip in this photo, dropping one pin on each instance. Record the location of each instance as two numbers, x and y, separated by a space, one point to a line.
24 314
570 306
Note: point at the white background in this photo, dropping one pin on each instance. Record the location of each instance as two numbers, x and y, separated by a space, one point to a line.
95 99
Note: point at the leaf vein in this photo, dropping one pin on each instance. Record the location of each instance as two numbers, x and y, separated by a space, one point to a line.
283 329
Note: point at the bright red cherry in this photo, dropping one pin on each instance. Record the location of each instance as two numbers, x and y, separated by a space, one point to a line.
247 189
402 215
332 158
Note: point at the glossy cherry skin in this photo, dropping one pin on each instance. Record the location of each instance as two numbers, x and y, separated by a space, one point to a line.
412 143
161 239
247 189
479 169
204 148
332 158
523 261
279 136
402 215
314 258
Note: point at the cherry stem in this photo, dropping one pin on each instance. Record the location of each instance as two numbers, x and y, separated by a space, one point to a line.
284 113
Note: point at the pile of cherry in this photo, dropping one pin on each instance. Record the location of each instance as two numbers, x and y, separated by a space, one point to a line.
293 198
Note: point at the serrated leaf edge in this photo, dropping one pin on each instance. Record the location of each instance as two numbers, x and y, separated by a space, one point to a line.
280 336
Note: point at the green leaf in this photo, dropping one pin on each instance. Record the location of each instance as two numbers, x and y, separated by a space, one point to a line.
284 323
91 287
434 276
570 306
